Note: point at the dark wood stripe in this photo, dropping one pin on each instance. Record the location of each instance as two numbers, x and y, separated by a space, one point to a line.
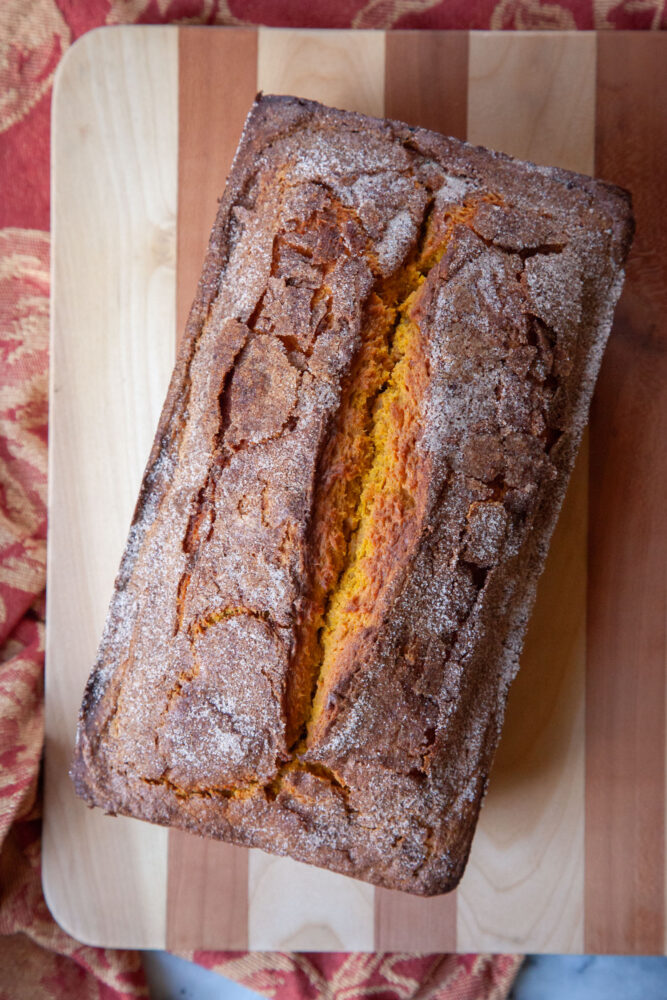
426 79
426 83
625 702
413 924
217 85
207 894
207 882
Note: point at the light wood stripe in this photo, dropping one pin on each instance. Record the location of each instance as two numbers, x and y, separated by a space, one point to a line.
534 96
426 83
344 69
207 900
524 881
625 816
113 220
296 907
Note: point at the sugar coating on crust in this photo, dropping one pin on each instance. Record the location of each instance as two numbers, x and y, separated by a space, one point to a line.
365 444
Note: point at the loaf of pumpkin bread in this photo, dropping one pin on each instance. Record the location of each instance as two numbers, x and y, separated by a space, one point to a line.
362 454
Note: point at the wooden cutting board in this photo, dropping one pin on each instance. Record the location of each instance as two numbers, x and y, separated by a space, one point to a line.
569 853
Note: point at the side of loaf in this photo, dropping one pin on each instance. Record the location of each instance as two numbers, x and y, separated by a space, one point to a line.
359 464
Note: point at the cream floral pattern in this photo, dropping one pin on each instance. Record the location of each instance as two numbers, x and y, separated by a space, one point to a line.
33 39
37 958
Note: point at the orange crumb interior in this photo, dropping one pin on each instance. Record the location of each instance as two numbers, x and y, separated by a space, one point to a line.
367 506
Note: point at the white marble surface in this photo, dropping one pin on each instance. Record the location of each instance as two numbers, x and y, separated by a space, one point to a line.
173 978
543 977
591 977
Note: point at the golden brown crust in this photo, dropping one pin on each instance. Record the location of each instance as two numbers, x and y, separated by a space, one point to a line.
360 461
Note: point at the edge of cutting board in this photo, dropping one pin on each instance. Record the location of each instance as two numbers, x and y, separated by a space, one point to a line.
518 865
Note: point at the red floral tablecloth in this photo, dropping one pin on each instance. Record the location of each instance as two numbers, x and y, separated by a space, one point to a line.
38 959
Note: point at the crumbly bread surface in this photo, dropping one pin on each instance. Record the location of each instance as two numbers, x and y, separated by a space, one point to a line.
363 451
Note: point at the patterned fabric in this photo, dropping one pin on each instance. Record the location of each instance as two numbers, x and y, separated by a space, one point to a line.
385 976
37 958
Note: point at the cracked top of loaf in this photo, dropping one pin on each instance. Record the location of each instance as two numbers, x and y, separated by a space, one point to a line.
358 467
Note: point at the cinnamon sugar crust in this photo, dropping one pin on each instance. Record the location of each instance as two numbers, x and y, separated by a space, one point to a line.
360 461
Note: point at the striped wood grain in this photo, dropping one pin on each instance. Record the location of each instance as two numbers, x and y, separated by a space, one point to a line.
116 156
627 555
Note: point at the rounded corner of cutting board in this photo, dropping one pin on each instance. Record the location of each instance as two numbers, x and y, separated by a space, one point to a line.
76 51
59 908
74 921
95 42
